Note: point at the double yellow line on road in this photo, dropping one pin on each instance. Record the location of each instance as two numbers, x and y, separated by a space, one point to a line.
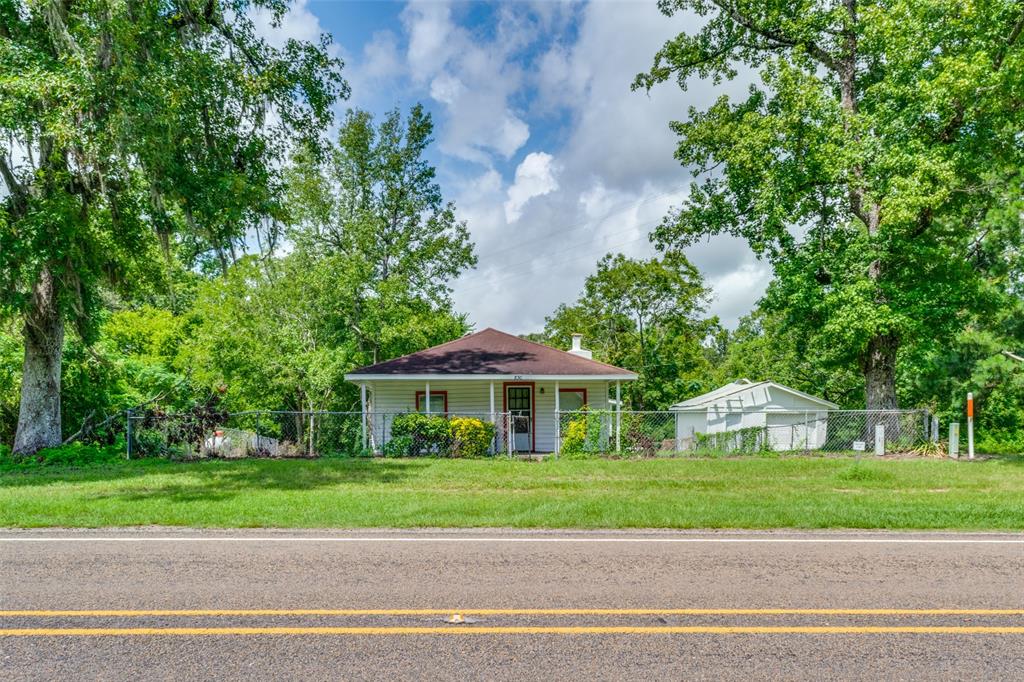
469 629
119 613
526 630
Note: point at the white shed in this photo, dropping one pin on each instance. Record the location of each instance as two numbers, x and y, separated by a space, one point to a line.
790 419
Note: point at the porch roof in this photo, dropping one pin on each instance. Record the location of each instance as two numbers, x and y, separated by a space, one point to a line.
490 354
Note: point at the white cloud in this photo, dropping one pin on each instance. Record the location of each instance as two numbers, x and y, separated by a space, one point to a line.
472 79
298 23
617 179
429 25
540 233
736 291
535 177
381 57
446 89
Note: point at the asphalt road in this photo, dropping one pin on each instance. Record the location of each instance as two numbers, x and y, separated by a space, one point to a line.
187 604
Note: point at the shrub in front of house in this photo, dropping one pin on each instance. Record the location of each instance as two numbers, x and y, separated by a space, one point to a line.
581 437
398 446
427 434
471 437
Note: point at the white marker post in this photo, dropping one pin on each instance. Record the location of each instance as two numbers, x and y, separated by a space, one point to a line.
954 440
970 426
879 439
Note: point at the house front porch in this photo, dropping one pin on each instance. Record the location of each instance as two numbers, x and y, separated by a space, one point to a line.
525 408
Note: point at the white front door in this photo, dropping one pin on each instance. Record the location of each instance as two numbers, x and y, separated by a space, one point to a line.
519 403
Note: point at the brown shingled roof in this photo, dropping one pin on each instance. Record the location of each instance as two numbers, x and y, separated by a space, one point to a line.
493 352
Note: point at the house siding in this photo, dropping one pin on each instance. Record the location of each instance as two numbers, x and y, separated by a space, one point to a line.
472 398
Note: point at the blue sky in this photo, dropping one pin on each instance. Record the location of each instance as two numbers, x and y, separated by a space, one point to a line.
549 156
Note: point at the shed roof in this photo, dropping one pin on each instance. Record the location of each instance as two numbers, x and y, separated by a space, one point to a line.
713 397
491 352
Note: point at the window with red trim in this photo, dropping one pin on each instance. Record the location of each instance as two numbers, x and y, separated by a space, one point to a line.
571 399
438 401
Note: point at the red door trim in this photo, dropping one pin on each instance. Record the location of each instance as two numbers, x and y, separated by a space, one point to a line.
533 407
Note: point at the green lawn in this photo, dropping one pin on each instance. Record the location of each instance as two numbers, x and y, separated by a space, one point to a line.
733 493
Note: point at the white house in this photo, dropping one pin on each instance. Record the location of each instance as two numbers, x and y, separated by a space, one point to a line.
487 374
791 419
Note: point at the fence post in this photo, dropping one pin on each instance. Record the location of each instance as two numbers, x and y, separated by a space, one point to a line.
128 433
618 416
508 433
970 426
807 427
954 440
879 439
679 433
362 411
558 433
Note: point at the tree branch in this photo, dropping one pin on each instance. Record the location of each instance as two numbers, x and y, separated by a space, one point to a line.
775 36
16 189
1010 40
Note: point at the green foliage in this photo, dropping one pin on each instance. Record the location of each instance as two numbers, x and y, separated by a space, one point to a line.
375 248
135 134
398 446
643 315
150 443
10 382
428 434
72 455
471 437
764 347
643 435
868 163
132 361
376 201
584 435
746 492
752 440
859 473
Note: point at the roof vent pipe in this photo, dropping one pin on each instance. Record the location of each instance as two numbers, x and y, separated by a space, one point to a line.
577 347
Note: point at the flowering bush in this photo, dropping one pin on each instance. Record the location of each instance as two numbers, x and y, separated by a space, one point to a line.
471 437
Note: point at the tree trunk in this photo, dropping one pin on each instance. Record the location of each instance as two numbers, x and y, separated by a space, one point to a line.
39 411
879 365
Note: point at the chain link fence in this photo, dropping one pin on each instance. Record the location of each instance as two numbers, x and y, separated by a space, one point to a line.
217 434
710 433
281 434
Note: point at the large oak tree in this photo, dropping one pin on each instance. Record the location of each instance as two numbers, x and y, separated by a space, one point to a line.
128 124
864 162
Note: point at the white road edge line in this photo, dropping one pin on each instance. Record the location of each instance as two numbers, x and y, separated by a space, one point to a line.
894 540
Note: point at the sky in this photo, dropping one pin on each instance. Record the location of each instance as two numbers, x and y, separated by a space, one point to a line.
548 155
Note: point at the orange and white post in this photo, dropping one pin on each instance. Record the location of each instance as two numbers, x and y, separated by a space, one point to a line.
970 426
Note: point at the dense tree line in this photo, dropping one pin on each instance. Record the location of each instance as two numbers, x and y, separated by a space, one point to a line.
174 223
868 162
